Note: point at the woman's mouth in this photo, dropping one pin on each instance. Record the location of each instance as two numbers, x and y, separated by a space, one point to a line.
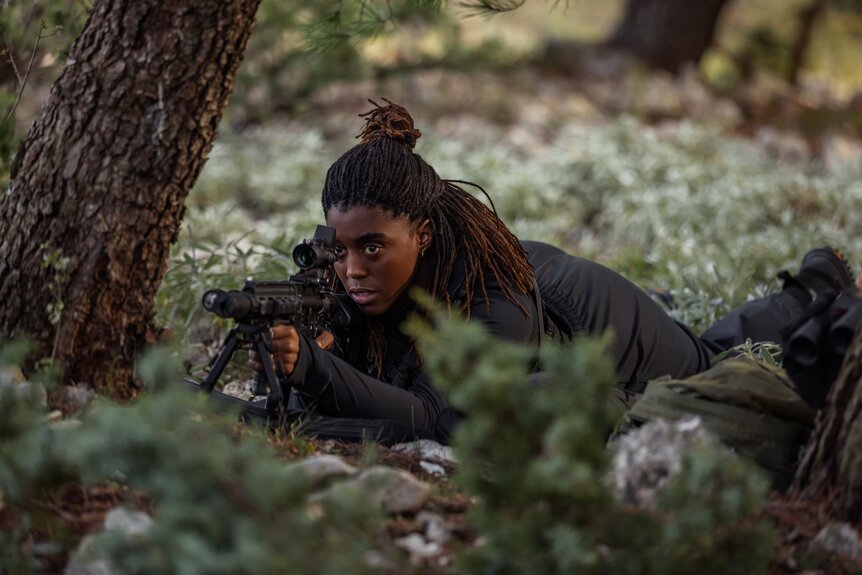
362 296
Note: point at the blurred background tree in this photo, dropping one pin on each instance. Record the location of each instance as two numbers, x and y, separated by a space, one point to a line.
668 34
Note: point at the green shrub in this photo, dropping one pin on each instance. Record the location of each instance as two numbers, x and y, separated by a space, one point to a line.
534 456
221 501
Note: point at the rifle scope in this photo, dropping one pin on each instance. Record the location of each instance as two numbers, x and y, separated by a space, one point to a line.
319 252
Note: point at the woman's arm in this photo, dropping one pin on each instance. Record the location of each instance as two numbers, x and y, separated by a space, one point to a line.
340 389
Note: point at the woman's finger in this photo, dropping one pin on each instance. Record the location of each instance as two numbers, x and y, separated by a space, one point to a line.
325 339
283 346
282 331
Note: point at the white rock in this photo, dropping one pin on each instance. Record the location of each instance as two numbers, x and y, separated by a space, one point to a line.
428 450
323 467
647 457
87 559
433 468
242 389
436 527
418 547
839 539
129 522
396 491
10 374
77 397
400 492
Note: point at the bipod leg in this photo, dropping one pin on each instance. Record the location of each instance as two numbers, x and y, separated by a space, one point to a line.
225 353
264 350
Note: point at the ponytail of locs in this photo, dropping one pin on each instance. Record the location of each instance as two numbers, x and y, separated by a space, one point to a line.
383 172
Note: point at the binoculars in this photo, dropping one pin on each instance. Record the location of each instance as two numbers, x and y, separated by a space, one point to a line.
832 331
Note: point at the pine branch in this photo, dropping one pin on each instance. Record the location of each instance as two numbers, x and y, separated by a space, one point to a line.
22 82
492 7
8 52
351 21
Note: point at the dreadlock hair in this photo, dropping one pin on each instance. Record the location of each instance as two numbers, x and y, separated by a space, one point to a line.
383 172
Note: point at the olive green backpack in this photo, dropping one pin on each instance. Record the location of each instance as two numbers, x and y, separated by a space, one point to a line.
748 405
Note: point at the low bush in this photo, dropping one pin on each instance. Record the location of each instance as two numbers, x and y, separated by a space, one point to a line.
533 454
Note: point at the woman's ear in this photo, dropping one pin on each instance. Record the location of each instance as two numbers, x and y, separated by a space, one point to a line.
426 234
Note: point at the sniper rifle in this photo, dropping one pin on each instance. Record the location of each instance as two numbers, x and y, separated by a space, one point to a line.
307 300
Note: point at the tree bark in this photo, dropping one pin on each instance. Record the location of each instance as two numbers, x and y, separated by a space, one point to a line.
831 469
667 34
102 176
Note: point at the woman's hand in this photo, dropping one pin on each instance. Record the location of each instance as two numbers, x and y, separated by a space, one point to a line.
285 347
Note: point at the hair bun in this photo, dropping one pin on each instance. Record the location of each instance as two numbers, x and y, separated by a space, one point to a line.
391 122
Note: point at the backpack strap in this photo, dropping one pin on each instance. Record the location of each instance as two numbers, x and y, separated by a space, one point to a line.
540 311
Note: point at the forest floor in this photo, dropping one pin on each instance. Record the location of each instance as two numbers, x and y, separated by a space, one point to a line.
530 104
796 523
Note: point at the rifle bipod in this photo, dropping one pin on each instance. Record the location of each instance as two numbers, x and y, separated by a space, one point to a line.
259 338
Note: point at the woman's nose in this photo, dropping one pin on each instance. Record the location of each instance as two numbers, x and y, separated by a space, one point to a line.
355 268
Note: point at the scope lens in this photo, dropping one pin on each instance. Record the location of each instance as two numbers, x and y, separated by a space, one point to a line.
229 304
211 300
304 256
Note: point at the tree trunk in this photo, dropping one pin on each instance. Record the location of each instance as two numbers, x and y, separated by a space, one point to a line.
102 176
831 470
808 18
667 33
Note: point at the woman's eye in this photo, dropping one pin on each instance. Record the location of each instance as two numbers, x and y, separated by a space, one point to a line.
372 249
340 251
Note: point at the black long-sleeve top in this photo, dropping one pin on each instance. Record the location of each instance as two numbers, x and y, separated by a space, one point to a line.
580 297
405 393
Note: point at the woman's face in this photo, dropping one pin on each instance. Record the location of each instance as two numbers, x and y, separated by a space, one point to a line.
377 254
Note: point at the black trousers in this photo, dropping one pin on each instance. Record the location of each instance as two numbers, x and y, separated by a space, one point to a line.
589 298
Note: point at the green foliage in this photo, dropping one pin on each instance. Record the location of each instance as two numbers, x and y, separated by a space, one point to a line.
222 503
708 513
767 352
27 57
222 506
300 46
54 260
22 20
535 458
29 458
